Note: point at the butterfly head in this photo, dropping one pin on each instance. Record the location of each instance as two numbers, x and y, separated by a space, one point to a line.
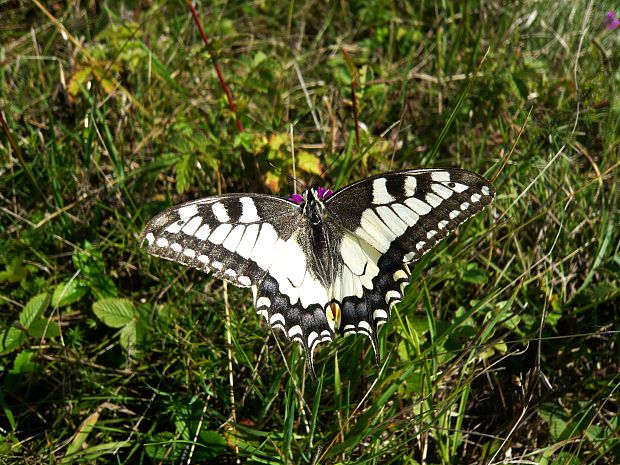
317 193
311 202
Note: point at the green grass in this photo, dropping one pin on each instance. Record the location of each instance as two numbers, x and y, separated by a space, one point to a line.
505 346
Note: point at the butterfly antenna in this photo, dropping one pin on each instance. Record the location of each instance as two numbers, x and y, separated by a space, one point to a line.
326 170
283 173
293 157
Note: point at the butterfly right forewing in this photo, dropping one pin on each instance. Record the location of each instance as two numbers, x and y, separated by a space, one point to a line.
391 220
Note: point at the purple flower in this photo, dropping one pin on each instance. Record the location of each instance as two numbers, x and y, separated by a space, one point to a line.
296 198
324 194
611 21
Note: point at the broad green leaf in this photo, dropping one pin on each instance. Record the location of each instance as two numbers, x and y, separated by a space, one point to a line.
67 293
34 309
90 263
555 418
11 339
521 87
23 363
15 271
114 312
259 57
128 338
213 444
44 328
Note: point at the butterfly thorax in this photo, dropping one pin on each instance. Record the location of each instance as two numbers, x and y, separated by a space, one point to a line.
312 206
320 238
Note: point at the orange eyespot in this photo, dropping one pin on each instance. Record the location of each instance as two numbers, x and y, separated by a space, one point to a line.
333 315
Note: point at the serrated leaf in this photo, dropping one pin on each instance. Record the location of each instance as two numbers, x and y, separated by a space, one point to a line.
114 312
67 293
183 174
34 309
12 338
23 363
44 328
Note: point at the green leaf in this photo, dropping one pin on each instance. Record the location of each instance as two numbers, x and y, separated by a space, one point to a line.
258 59
78 79
67 293
521 87
114 312
214 444
90 263
183 174
555 418
309 162
128 338
15 271
34 309
23 363
565 458
44 328
8 414
81 434
474 274
164 447
12 338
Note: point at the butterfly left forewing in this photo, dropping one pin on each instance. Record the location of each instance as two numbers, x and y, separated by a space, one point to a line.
231 236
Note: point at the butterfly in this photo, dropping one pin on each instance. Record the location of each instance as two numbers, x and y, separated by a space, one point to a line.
322 262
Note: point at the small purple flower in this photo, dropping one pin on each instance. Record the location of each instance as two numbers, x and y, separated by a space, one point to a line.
611 21
324 193
296 198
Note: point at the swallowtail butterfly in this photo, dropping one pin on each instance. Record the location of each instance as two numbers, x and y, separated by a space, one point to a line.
322 263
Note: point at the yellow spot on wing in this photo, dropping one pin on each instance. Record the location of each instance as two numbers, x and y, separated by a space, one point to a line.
333 315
